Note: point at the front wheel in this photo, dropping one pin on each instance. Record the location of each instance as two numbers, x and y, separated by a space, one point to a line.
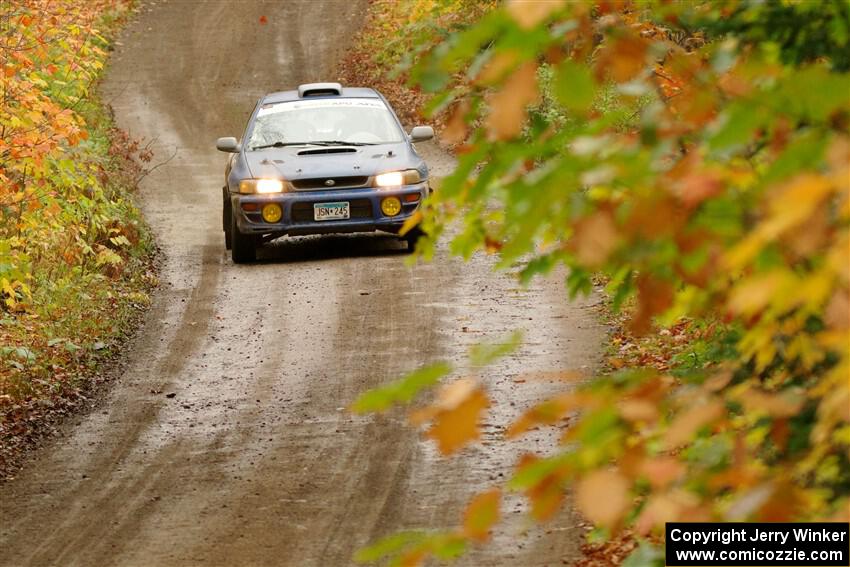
243 245
227 224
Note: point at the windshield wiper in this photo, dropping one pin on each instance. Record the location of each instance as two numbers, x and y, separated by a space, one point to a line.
280 145
339 143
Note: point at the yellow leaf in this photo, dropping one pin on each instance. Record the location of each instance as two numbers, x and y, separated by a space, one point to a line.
792 205
755 293
756 402
410 223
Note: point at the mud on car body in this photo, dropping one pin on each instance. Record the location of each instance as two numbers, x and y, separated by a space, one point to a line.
320 159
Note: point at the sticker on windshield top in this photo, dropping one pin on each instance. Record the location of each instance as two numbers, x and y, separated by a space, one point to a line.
289 106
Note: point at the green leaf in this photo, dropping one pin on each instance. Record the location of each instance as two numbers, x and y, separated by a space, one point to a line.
25 354
401 391
447 546
739 125
645 555
484 354
390 545
532 474
574 86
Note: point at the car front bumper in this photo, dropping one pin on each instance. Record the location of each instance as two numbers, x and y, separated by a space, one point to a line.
297 207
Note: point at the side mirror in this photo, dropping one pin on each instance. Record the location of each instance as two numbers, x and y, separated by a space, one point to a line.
421 133
229 145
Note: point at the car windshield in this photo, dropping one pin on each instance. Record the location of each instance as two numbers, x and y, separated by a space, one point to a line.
346 120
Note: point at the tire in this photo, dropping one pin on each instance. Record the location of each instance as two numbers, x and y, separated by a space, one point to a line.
227 224
244 247
412 237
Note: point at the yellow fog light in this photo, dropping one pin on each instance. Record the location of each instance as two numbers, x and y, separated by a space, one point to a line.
391 206
272 212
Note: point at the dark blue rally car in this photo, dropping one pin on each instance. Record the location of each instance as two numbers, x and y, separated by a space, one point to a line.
321 159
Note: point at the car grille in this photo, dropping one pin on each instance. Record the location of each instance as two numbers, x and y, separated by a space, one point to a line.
338 182
360 209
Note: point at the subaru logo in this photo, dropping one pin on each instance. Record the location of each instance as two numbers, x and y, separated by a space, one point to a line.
330 182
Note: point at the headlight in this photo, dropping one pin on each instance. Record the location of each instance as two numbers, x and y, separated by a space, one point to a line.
398 178
260 186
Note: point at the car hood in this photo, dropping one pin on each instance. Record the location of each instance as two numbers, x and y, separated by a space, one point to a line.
306 162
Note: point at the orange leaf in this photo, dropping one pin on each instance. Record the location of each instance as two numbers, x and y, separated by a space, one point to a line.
603 497
529 13
498 67
622 57
696 188
508 106
481 513
654 297
690 421
595 238
659 509
456 129
545 496
838 311
545 413
661 471
413 558
637 410
455 415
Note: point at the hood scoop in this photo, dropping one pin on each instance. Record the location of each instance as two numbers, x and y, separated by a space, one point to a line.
330 150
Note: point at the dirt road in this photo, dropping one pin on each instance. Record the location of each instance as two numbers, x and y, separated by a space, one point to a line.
226 440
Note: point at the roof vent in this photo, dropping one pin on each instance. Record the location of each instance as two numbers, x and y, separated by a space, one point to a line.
319 89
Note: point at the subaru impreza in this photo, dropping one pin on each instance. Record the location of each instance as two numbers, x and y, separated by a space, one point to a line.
321 159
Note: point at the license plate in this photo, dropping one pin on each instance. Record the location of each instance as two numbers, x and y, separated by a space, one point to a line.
331 211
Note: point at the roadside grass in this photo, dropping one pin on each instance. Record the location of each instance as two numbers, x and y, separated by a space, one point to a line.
76 258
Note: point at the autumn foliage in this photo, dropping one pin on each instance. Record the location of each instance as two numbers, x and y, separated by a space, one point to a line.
696 158
72 247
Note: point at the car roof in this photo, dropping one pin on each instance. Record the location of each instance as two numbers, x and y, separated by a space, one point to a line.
345 92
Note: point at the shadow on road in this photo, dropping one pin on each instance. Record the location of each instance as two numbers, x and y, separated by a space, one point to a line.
329 247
